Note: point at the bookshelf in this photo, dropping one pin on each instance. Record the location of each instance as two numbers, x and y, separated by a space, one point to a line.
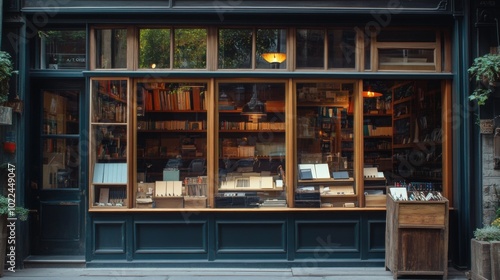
171 144
109 137
251 142
417 139
325 140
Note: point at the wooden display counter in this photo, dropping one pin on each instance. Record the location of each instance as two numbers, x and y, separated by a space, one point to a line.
416 241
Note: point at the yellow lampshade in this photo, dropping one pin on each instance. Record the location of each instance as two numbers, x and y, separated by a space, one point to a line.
274 57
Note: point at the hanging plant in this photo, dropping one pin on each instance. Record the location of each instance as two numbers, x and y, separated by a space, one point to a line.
485 71
6 71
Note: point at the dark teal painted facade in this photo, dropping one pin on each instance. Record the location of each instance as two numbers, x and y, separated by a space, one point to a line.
264 239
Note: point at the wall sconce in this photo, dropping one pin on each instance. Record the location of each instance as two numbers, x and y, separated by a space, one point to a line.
496 149
371 94
274 58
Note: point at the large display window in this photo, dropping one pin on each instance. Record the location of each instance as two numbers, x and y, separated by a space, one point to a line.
262 144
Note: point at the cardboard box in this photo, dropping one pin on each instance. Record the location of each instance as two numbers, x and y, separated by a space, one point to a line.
375 200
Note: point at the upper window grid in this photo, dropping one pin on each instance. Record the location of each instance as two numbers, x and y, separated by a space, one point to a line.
335 49
62 49
188 46
245 48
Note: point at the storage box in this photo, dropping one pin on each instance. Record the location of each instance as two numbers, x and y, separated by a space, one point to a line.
169 202
375 200
195 202
170 174
246 151
229 151
275 106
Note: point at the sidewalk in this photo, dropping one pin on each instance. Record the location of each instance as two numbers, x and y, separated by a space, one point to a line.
353 273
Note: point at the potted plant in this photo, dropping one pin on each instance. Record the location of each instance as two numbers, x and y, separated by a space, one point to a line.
485 251
485 71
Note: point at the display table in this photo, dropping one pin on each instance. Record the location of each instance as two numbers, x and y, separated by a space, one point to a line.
416 241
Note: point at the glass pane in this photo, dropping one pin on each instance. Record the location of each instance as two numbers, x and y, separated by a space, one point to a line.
61 156
406 36
417 138
310 48
251 145
235 48
61 163
325 144
61 112
377 136
63 49
111 48
171 145
190 48
154 48
109 101
406 59
367 54
341 49
109 143
111 146
270 41
109 169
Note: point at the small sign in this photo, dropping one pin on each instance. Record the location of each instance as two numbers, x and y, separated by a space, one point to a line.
486 126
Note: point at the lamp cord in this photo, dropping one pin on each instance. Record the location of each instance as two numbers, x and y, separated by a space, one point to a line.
498 37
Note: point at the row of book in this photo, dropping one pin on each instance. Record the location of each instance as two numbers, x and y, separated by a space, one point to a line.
167 100
109 110
371 130
115 173
172 125
227 125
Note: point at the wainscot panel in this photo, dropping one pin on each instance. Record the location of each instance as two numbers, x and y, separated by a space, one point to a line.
265 237
56 222
172 237
376 239
233 239
109 238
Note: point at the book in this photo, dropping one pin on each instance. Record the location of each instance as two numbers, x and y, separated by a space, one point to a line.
322 171
340 175
104 195
305 174
307 168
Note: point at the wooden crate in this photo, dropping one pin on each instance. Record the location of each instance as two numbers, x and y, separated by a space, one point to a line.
416 240
375 200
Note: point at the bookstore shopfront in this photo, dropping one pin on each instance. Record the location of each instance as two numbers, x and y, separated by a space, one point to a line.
188 134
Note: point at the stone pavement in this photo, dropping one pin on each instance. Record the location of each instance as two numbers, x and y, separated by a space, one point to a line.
299 273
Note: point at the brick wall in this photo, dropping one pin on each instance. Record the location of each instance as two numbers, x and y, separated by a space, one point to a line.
491 181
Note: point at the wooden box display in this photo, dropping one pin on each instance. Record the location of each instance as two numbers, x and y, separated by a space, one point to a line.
246 151
195 202
229 151
416 241
169 202
375 200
